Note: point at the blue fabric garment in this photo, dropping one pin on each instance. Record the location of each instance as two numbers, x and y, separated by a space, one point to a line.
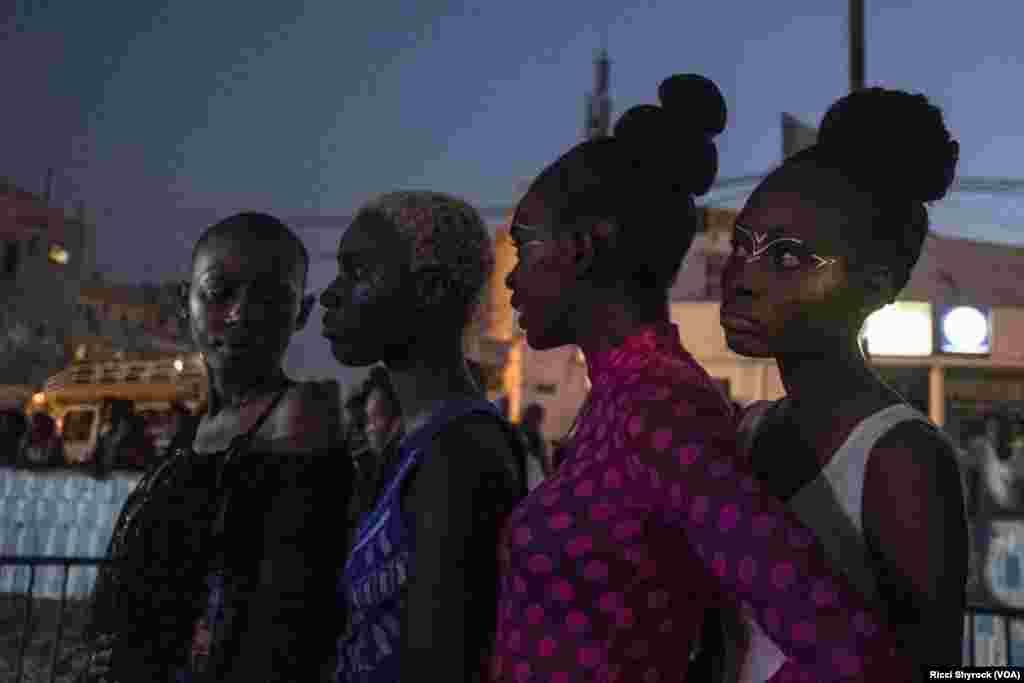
214 618
372 586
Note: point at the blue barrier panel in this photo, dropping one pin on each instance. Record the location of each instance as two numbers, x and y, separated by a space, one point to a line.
57 514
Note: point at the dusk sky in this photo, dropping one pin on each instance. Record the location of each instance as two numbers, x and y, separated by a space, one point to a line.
164 118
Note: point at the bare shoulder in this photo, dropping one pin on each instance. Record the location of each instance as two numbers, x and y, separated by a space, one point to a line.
481 437
915 455
920 441
475 451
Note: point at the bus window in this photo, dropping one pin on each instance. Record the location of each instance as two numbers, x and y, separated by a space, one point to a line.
78 425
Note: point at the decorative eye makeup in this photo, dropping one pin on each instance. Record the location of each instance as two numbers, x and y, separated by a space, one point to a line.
784 253
524 236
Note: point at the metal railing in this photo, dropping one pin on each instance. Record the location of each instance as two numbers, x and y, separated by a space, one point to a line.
1008 615
26 635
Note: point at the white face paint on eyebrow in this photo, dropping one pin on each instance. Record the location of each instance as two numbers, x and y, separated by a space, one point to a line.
761 247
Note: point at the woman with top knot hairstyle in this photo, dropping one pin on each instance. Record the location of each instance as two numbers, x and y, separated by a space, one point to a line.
608 565
825 240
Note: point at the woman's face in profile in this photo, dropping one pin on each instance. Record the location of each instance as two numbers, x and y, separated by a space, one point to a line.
368 308
541 283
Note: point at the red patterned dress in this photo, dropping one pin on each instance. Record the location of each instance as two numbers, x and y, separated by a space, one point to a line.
608 565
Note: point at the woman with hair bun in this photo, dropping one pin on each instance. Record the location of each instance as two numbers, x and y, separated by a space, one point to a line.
609 565
825 240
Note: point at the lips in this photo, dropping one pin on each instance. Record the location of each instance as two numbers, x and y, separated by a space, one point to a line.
734 322
328 329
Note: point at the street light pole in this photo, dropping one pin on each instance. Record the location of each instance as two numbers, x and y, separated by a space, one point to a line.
856 45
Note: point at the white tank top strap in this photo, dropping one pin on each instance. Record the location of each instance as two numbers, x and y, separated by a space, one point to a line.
831 504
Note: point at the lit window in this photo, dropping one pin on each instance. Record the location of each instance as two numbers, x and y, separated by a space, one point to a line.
58 254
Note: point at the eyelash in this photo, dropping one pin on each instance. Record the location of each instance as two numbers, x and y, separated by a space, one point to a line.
214 292
777 254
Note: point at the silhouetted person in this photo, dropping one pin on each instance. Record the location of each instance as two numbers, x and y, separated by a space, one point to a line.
13 430
182 428
44 447
384 431
537 464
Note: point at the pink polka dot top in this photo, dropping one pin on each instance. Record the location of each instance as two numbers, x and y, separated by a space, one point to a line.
608 565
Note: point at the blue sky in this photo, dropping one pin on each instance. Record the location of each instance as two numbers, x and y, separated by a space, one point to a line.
163 115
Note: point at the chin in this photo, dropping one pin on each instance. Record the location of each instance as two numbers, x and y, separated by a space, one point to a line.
747 346
542 342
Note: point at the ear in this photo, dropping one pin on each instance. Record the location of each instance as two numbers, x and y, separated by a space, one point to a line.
182 292
433 285
584 253
305 310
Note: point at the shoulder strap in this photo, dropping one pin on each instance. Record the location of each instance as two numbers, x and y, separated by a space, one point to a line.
872 428
238 448
245 439
413 445
449 412
850 462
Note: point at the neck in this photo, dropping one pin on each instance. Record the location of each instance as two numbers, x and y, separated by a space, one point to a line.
608 324
817 379
424 382
231 391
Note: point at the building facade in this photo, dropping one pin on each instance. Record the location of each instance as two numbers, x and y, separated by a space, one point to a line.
45 256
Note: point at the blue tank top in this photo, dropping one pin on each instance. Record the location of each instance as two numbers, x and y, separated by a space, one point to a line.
372 585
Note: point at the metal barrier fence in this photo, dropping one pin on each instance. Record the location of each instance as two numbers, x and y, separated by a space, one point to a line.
1007 616
26 634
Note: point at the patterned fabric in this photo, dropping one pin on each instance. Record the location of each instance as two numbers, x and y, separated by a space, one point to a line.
609 564
372 585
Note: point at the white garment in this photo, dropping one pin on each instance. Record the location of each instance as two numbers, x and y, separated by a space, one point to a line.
831 506
534 472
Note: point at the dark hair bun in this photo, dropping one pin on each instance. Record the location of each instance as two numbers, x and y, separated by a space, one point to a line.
890 142
644 126
674 140
694 102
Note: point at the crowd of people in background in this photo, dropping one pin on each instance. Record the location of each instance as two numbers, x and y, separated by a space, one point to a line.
992 466
124 439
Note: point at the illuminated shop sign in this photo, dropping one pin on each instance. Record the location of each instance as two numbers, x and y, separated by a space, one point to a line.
903 328
964 329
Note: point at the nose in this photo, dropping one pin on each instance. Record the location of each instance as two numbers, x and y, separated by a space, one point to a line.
737 279
510 279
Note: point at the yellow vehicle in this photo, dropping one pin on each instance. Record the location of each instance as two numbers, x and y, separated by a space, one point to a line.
15 396
79 396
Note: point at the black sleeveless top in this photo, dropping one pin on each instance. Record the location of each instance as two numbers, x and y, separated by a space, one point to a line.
269 521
